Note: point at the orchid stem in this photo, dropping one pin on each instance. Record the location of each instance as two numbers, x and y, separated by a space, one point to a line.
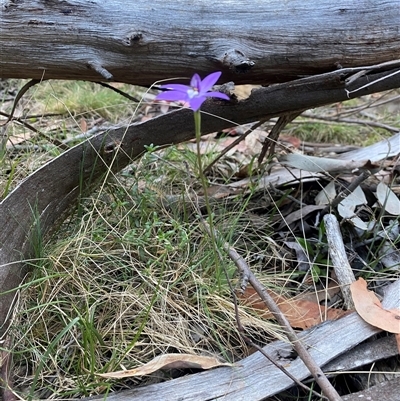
197 125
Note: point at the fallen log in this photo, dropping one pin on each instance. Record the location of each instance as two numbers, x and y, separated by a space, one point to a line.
139 42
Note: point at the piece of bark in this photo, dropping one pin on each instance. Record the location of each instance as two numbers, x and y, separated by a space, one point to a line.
363 354
386 391
337 252
140 42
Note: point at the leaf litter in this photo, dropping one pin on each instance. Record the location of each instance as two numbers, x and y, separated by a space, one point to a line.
370 309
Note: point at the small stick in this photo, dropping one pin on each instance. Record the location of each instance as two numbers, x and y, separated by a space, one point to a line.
120 92
238 260
273 136
299 347
234 143
341 265
96 66
21 93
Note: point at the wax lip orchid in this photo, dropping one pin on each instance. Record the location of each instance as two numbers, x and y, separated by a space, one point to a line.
195 94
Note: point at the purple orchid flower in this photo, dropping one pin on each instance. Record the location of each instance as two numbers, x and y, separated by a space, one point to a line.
195 94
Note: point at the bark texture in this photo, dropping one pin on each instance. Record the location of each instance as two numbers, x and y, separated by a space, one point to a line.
140 42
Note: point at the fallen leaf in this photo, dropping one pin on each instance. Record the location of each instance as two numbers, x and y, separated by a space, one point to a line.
300 313
169 361
388 199
323 164
83 125
293 140
397 337
354 199
389 256
300 214
303 261
326 195
347 207
370 309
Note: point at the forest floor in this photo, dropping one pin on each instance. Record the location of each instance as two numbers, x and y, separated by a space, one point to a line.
132 274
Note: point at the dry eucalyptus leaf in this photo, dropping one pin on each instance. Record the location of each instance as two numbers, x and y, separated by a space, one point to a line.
347 207
388 199
322 164
370 309
303 261
389 256
355 198
300 214
169 361
300 313
326 195
350 215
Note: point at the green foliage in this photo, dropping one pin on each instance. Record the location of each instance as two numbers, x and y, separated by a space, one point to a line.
83 98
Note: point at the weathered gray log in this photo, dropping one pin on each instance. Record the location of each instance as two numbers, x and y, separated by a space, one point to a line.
140 42
364 354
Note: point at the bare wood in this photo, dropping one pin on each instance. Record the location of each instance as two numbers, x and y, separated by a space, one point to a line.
140 42
385 391
363 354
341 265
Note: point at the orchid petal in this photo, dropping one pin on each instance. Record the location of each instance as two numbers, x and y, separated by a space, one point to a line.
176 87
209 81
171 96
195 82
195 94
196 102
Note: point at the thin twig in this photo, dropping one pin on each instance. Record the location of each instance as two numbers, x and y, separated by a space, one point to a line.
299 347
120 92
21 93
387 127
54 141
241 329
273 136
234 143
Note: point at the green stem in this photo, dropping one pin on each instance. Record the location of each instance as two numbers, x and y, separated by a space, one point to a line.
197 125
